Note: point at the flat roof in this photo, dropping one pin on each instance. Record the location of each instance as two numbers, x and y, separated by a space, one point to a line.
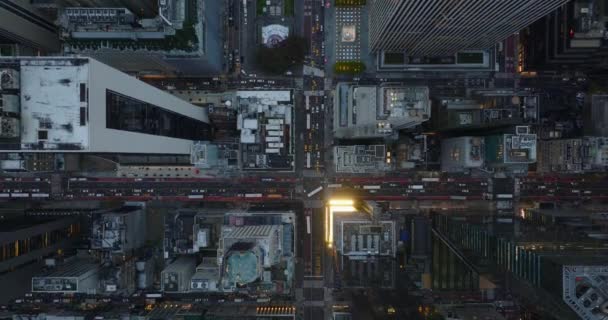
360 158
267 96
50 104
376 111
265 121
462 152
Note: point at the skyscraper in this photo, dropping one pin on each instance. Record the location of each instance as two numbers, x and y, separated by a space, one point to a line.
444 27
181 39
73 104
26 30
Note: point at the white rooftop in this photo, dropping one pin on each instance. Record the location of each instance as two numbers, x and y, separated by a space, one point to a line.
268 97
50 105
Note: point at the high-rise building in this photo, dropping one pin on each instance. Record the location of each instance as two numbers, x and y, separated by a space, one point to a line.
255 251
488 109
555 254
31 238
462 153
183 38
444 27
510 150
386 109
571 37
81 105
24 31
585 154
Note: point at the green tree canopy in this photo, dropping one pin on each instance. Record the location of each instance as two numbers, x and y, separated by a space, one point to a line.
279 59
349 67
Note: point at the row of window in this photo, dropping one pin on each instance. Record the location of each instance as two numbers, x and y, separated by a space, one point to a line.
129 114
21 247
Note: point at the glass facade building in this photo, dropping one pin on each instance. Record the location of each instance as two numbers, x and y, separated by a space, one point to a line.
450 272
527 261
29 240
129 114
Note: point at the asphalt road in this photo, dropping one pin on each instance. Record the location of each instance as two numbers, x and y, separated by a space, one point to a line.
539 187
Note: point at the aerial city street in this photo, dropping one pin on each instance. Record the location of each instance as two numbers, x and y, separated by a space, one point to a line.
304 159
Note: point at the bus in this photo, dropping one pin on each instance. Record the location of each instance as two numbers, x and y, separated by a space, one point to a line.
308 166
308 121
253 195
315 191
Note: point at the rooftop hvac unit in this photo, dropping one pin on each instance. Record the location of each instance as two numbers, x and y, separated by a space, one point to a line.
9 79
9 127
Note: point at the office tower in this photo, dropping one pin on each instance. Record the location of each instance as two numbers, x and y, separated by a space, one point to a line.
143 9
462 154
389 108
571 37
23 31
180 39
584 154
444 27
65 104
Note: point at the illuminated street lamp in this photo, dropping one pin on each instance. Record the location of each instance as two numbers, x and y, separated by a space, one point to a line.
335 206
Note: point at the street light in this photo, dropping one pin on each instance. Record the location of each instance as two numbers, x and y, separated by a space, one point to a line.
341 202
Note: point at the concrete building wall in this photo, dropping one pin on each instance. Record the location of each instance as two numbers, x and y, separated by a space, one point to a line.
103 77
8 238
